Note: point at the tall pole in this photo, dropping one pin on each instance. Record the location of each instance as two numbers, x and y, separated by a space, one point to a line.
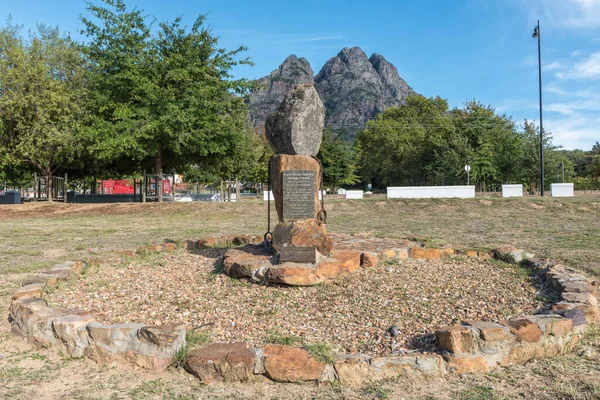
539 38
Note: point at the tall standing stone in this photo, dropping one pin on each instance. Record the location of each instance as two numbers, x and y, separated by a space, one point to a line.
294 132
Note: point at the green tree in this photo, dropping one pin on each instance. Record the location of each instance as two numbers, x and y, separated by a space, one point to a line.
162 96
42 101
337 158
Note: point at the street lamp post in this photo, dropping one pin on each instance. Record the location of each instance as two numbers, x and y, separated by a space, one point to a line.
537 34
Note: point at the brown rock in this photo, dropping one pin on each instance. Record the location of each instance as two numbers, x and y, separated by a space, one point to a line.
160 336
455 339
466 363
127 253
576 286
169 247
388 254
245 260
190 244
484 255
221 362
47 279
34 290
501 251
70 329
554 325
426 254
489 331
303 232
290 364
285 162
294 274
352 370
33 320
368 260
524 329
471 253
448 251
585 298
208 242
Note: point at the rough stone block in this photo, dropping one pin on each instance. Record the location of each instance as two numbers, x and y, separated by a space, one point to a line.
490 332
169 247
283 162
525 329
70 329
553 324
245 260
290 364
466 363
294 274
426 254
584 298
296 126
34 290
455 339
352 369
368 260
221 362
190 244
33 320
303 233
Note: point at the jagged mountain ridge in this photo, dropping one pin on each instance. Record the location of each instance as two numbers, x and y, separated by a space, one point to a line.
353 87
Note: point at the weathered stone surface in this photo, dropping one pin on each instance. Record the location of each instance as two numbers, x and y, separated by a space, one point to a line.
576 286
553 324
501 251
190 244
284 162
150 348
488 331
29 291
368 260
584 298
304 232
455 339
61 272
471 253
577 316
339 262
245 260
221 362
328 375
47 279
296 126
33 320
525 329
169 247
290 364
426 254
127 253
352 369
294 274
466 363
208 242
70 329
77 266
406 365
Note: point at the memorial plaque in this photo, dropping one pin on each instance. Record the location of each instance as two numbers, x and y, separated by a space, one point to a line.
298 254
298 194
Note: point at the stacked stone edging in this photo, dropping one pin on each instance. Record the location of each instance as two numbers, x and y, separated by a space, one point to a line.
474 346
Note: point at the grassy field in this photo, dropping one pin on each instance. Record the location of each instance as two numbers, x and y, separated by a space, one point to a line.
35 236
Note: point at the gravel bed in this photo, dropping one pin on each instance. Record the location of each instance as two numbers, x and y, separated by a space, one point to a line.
353 314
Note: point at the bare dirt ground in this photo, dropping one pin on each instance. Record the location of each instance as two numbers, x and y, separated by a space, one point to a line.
35 236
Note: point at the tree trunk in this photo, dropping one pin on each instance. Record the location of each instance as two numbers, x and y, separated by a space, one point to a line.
159 180
49 188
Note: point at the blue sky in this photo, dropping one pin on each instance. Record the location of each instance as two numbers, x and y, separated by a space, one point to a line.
458 49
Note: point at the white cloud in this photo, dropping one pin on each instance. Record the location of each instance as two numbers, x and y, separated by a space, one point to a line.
574 132
553 66
588 68
566 13
320 38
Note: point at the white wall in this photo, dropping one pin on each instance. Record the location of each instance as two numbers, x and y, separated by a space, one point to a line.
341 191
562 189
512 190
427 192
354 194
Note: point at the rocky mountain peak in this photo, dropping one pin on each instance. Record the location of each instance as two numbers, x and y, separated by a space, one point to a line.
353 87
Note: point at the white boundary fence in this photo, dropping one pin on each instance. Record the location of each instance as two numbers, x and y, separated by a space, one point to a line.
354 194
562 190
512 190
428 192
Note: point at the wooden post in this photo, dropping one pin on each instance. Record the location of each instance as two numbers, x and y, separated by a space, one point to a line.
173 189
144 185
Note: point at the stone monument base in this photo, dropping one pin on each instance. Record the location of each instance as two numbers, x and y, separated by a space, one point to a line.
302 233
262 264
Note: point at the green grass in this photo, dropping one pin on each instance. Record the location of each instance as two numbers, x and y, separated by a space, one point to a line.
478 393
323 352
286 340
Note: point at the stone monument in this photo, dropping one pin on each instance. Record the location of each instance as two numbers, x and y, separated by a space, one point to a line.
294 132
301 253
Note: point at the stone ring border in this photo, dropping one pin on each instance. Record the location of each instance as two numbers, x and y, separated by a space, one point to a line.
477 346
